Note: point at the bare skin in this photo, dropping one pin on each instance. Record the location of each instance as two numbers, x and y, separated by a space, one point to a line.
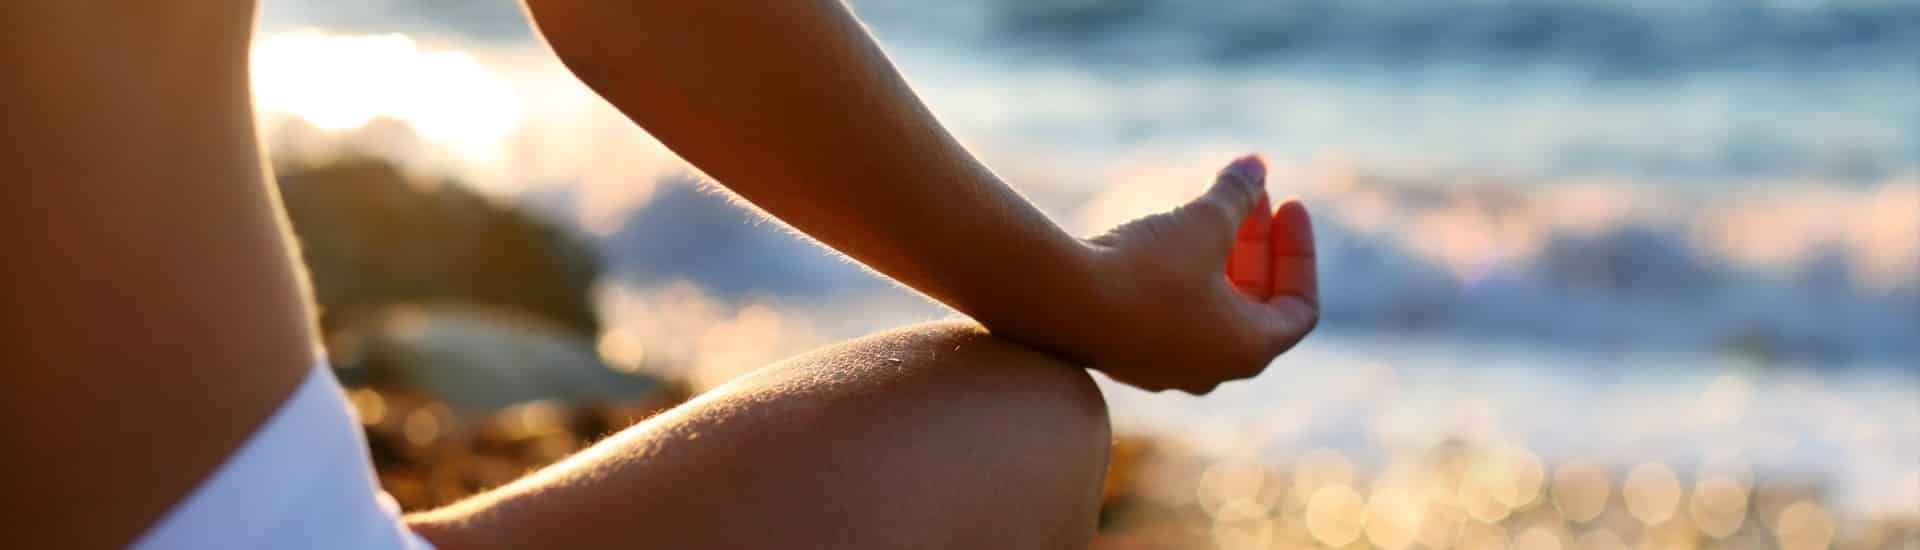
155 310
152 308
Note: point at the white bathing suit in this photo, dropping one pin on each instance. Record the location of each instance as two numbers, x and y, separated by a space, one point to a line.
303 481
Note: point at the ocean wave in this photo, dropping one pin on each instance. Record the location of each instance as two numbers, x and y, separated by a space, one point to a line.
1613 39
1822 276
1625 39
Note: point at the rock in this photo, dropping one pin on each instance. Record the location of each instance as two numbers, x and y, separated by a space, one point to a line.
478 359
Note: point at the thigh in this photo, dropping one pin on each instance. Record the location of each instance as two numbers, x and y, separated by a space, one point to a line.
934 436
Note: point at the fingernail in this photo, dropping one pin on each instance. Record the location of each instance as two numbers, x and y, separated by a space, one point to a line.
1251 169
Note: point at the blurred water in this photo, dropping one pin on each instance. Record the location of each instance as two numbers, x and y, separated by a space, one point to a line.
1669 90
1376 399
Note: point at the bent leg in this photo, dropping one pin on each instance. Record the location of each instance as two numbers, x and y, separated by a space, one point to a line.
932 436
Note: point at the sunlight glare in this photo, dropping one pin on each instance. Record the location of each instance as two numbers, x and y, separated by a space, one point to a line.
343 82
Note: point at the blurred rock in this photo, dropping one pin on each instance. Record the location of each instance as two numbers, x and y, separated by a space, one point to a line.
371 237
478 359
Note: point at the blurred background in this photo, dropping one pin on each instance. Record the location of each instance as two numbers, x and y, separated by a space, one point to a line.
1597 274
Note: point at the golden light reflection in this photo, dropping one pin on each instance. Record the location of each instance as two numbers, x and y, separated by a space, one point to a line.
1537 538
1484 491
1524 474
1804 525
1439 525
1580 490
1394 518
622 350
368 405
1677 533
1237 481
1242 524
1481 536
1718 506
1290 531
1652 492
535 419
1336 515
684 332
423 425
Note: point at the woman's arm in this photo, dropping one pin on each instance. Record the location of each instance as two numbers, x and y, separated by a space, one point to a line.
791 105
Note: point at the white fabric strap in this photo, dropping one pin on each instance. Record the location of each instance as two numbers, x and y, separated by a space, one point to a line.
302 481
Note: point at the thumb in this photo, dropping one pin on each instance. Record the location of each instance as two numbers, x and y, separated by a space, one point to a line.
1236 192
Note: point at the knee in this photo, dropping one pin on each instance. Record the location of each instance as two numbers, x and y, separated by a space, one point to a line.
932 436
952 380
1032 429
958 370
1025 403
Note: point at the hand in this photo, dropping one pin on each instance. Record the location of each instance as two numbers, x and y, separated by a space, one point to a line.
1209 292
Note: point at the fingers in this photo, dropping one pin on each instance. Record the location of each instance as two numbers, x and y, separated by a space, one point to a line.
1235 192
1249 264
1294 308
1288 321
1291 238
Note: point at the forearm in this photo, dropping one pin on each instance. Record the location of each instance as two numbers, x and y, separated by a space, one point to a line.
792 106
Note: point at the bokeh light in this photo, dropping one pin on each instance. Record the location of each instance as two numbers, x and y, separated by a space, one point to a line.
1652 492
1394 518
1718 505
1581 489
1242 524
622 350
1482 536
1336 515
424 425
1242 482
1804 525
368 405
1537 539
